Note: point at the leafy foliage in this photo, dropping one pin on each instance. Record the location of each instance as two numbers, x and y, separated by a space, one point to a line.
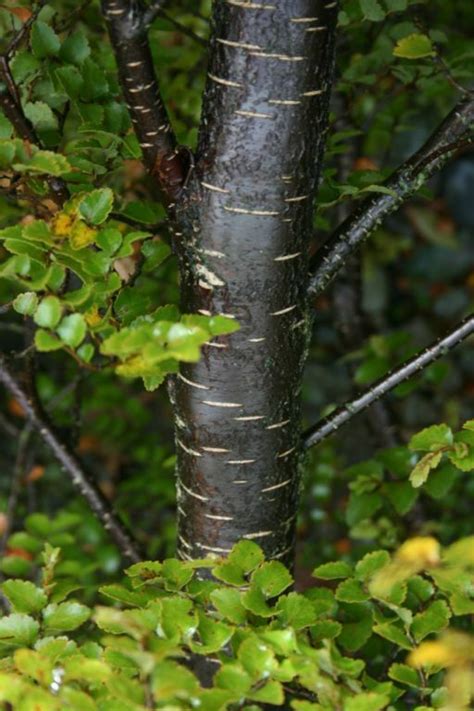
263 643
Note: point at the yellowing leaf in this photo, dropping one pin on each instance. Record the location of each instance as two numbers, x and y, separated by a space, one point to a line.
81 235
432 653
62 224
415 46
423 551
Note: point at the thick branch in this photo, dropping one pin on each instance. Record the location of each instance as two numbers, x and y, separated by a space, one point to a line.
346 412
403 183
70 463
127 25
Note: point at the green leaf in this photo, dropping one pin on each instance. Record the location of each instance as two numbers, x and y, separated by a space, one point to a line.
45 162
72 330
176 574
34 665
396 5
362 506
44 40
415 46
258 659
48 312
433 619
24 596
65 617
441 480
357 625
232 676
271 693
393 634
271 578
351 590
402 496
227 602
370 564
244 557
26 303
75 48
96 206
171 680
326 629
296 611
79 668
422 470
42 117
46 341
333 571
18 630
213 635
405 675
372 10
431 439
367 702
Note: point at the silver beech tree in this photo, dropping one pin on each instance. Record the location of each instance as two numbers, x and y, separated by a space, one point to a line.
240 212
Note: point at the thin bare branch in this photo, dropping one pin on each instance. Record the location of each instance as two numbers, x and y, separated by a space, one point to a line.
346 412
126 21
452 134
71 465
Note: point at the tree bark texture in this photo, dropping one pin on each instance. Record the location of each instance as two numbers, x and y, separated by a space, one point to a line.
243 230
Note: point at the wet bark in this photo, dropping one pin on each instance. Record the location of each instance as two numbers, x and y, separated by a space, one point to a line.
243 228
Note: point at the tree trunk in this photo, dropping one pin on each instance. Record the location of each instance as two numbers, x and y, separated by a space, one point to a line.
244 229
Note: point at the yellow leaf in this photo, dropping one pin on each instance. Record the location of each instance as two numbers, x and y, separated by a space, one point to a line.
81 235
93 317
61 225
432 654
423 551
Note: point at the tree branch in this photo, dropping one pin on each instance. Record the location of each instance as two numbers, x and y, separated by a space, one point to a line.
156 11
127 25
346 412
403 183
71 464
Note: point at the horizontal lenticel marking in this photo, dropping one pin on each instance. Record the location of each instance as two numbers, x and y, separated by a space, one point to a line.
248 418
238 45
279 57
276 486
250 5
212 403
214 188
192 383
256 213
225 82
192 493
284 311
277 425
285 257
254 114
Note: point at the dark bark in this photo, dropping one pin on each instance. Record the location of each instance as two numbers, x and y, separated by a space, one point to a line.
245 228
128 22
346 412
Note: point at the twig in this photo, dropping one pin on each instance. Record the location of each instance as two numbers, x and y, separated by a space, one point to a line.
126 21
15 485
71 464
346 412
403 183
177 25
